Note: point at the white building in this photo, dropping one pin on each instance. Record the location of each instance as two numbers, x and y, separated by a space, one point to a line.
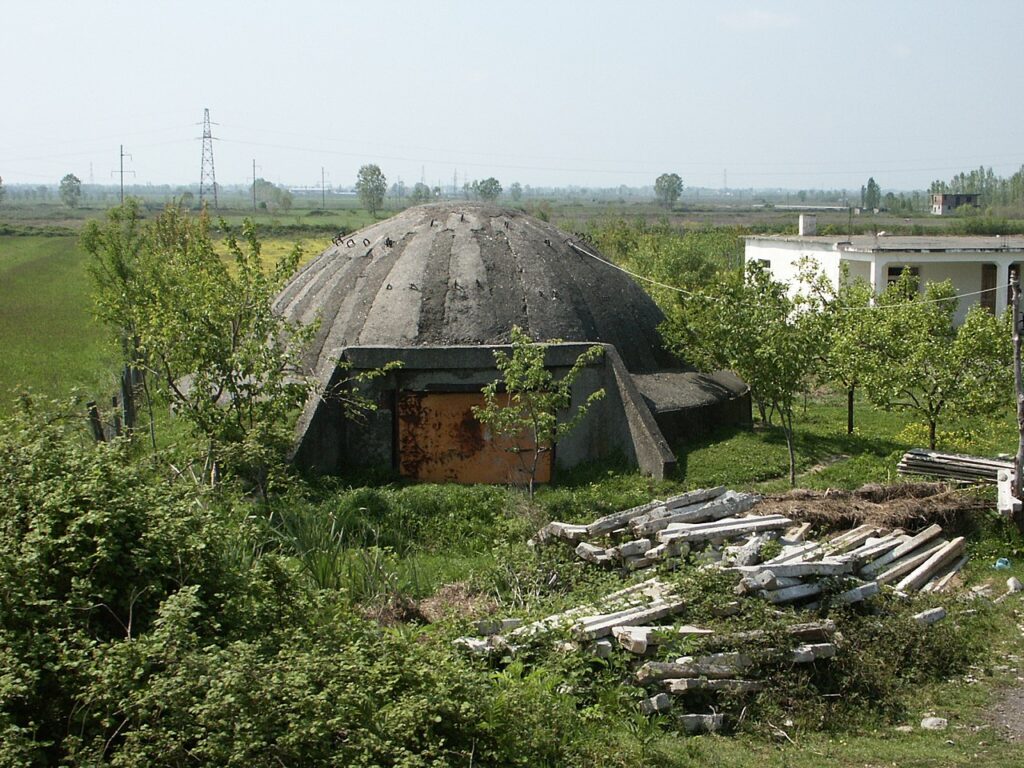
972 263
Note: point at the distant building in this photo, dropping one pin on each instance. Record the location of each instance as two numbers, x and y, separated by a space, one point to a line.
945 202
979 267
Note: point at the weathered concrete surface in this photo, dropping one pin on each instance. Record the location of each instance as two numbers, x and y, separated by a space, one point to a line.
465 273
439 287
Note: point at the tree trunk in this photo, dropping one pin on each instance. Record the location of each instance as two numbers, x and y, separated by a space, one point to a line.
931 434
787 428
849 410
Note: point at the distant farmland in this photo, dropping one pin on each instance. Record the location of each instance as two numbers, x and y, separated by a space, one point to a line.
49 340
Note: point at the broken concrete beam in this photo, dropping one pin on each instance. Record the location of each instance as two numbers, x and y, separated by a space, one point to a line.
917 578
791 594
726 505
497 626
796 534
564 531
855 595
880 562
693 724
592 554
680 503
715 665
870 550
932 615
907 564
609 523
796 570
686 684
764 580
665 551
747 525
805 654
929 533
806 551
661 702
602 626
630 548
474 645
749 553
602 648
809 632
638 639
850 539
941 580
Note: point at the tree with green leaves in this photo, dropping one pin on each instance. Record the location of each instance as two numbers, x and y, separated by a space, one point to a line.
371 185
420 194
202 327
515 191
70 190
871 194
914 359
528 401
750 324
843 309
489 189
667 189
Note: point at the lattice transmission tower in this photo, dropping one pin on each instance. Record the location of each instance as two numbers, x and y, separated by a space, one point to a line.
207 176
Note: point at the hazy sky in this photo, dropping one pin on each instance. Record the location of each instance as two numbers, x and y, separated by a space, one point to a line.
593 93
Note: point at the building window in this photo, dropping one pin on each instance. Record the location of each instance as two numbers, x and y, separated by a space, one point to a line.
895 272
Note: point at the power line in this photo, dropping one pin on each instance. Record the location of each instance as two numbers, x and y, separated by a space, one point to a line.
700 295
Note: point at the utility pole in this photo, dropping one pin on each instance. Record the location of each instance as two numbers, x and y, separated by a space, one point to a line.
323 193
1018 388
207 176
121 172
254 185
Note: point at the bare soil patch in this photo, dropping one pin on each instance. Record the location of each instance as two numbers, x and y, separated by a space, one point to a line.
1007 714
907 505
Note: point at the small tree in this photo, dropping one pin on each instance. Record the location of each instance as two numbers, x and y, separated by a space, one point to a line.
915 360
489 189
534 398
371 185
840 326
420 193
515 191
70 190
750 324
667 189
872 194
204 331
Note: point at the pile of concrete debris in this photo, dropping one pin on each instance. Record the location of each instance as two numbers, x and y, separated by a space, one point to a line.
717 526
771 559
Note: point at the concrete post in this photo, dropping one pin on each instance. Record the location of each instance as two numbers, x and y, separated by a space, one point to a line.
879 274
1002 280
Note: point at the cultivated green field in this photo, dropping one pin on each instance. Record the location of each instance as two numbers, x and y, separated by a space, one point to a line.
50 341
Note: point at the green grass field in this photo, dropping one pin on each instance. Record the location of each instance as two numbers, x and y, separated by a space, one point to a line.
50 341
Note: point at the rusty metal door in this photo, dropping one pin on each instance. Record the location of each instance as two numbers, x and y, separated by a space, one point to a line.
439 440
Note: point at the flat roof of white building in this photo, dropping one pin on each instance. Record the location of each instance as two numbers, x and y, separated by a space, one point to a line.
904 243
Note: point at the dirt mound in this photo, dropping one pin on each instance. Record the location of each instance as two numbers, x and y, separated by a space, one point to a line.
906 505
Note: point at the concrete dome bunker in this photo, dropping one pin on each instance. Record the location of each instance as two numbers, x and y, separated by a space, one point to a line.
438 288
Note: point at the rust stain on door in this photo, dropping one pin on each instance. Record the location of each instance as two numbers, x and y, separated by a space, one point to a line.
439 440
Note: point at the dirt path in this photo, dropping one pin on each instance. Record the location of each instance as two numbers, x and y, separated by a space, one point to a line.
1007 714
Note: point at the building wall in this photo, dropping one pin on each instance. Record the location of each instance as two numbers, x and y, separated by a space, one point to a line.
618 423
783 259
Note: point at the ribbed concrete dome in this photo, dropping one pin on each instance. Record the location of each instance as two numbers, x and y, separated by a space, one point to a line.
465 273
